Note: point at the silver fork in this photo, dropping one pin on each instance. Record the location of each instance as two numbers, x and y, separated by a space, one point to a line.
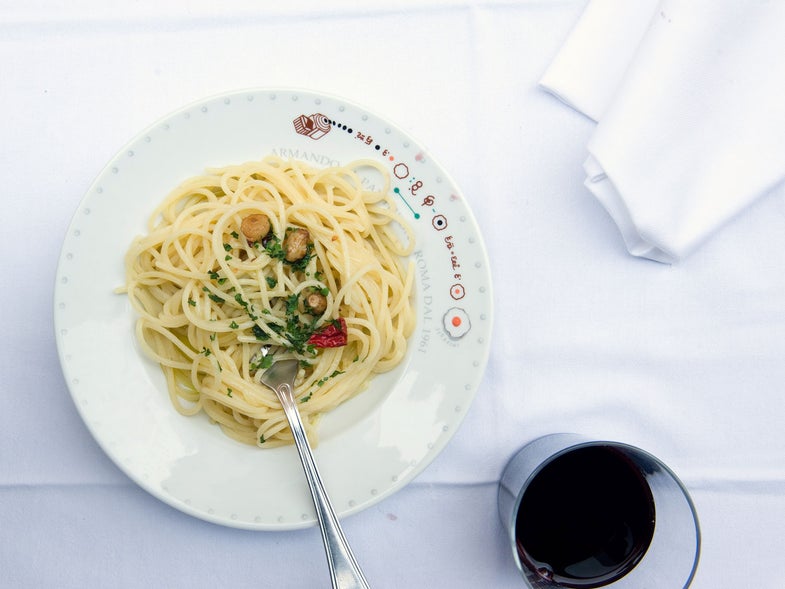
344 570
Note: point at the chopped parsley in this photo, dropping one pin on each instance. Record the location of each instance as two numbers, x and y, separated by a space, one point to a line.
260 334
321 381
292 302
261 363
298 333
192 302
215 276
240 301
274 248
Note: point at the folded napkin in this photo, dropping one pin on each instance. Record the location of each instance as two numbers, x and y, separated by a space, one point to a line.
689 96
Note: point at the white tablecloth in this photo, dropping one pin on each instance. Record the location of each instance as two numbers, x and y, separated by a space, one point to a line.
685 360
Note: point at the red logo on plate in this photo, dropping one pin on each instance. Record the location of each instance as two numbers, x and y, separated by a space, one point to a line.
314 126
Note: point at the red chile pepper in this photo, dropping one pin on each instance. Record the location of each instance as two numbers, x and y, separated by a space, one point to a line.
332 335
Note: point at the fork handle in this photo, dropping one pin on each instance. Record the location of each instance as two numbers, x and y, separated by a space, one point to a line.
344 570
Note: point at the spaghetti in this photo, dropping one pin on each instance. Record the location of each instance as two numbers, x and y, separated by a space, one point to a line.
274 255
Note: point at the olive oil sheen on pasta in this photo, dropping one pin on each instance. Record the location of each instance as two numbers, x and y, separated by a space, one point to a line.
586 519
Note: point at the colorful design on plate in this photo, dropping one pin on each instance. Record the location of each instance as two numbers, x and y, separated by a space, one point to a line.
457 291
314 126
456 322
410 189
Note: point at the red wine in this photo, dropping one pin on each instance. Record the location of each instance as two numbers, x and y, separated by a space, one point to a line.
586 519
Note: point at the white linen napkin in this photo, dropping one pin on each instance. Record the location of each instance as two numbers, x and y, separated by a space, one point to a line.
689 96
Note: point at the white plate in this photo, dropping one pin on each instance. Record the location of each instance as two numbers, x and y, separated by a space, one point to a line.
371 446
